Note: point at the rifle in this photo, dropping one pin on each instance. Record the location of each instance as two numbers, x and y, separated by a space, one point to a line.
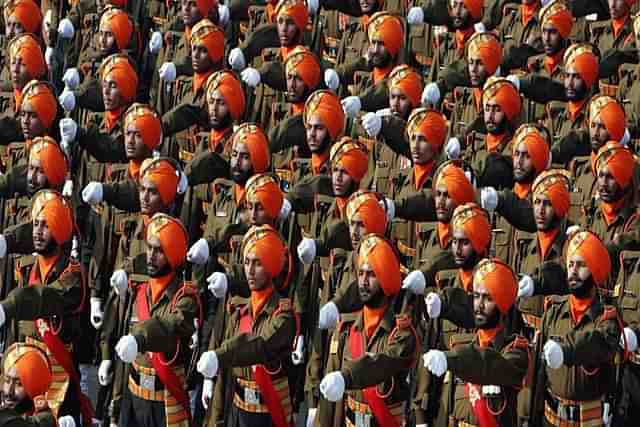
537 379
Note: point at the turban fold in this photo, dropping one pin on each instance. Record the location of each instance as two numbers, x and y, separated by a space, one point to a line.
611 113
588 246
379 254
536 143
41 97
54 209
430 123
267 245
387 28
327 106
304 64
230 89
582 57
120 69
32 366
264 189
475 223
504 93
619 160
256 141
558 15
28 49
147 122
205 6
52 159
554 184
485 46
474 7
120 24
367 205
165 176
211 36
352 155
499 280
408 81
458 185
27 12
296 10
173 238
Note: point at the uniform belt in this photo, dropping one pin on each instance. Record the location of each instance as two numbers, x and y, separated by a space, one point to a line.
358 414
247 397
150 382
558 411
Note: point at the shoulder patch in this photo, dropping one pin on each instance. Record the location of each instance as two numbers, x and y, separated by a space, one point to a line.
403 321
285 304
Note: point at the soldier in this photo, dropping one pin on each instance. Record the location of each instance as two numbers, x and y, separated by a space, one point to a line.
521 29
614 33
556 24
21 16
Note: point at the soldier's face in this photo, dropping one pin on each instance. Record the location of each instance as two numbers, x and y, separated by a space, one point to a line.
13 27
318 138
463 253
134 145
444 204
459 14
494 118
288 32
43 241
106 41
477 72
30 123
297 89
598 133
552 41
200 60
240 162
523 168
357 230
150 200
543 213
421 151
257 214
609 190
368 284
13 392
111 94
368 7
19 72
399 103
618 8
343 183
485 309
574 86
379 55
157 262
579 276
219 113
257 275
36 178
190 13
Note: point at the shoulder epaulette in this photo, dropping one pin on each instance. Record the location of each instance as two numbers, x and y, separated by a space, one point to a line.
403 321
284 304
609 313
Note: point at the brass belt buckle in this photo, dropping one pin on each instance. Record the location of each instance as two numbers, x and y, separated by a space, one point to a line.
148 382
362 419
251 396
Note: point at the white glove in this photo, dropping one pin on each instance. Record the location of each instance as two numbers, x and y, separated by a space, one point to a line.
332 386
297 356
607 416
104 373
199 252
68 129
207 392
430 94
453 148
331 79
71 78
626 137
67 189
632 340
479 27
3 246
48 55
384 112
328 316
92 193
553 354
155 43
250 76
436 362
313 6
208 364
66 421
119 282
525 286
573 229
434 305
372 123
3 316
218 284
223 15
351 105
65 29
167 72
515 80
415 16
415 282
96 312
194 341
489 198
311 417
285 210
389 207
67 99
545 2
236 59
307 250
127 348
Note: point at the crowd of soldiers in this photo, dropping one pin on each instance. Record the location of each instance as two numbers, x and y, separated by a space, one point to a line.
362 213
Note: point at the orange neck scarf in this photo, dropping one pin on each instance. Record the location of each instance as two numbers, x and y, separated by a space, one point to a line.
215 137
522 190
317 161
134 169
545 241
493 142
259 300
46 264
199 80
477 96
575 108
372 318
422 172
486 336
579 306
380 74
552 62
17 99
239 192
466 277
462 36
529 12
297 108
159 284
341 203
112 117
444 234
618 24
611 210
285 51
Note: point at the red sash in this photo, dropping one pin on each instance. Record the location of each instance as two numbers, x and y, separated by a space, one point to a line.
479 406
167 375
263 379
375 402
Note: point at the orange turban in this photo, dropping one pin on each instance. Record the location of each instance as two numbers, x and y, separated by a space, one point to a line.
475 223
147 122
458 186
41 97
326 105
485 46
303 63
536 144
387 28
296 10
588 246
379 254
230 89
52 159
32 366
504 93
474 7
352 155
164 174
611 113
558 15
120 24
119 68
28 49
118 3
554 184
28 14
265 190
499 280
205 6
619 160
367 205
408 81
257 143
268 246
55 210
173 238
211 36
429 123
583 59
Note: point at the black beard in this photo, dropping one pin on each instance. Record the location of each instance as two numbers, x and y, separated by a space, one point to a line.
529 177
583 290
163 272
470 262
492 322
225 123
377 300
50 249
243 176
500 128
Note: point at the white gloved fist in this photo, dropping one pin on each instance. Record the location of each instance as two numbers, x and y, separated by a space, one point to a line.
49 53
65 29
331 79
351 105
207 392
372 123
384 112
71 78
631 338
218 284
3 246
453 148
127 348
436 362
119 282
489 198
572 230
515 80
434 305
479 27
167 72
67 189
307 250
285 210
67 100
311 417
155 43
328 316
66 421
236 59
430 94
526 286
415 282
3 316
626 137
553 354
251 77
389 207
96 312
93 193
415 16
297 356
199 252
208 364
223 15
332 386
68 129
313 6
104 373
